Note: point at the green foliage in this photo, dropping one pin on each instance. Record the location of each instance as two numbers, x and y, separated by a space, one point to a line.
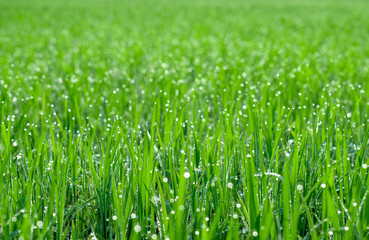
184 120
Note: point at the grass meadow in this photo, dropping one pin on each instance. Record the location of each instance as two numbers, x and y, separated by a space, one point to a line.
184 119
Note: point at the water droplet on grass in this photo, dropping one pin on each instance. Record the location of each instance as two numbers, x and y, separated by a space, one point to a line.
40 224
137 228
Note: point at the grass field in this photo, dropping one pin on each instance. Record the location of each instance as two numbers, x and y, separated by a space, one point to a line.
184 119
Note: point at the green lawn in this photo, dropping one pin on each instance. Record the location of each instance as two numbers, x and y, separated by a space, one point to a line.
184 119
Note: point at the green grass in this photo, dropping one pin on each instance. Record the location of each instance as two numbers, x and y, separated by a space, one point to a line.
184 120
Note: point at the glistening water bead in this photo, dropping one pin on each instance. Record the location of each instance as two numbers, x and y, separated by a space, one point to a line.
186 175
137 228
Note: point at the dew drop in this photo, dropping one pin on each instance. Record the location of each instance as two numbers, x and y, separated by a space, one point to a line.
137 228
40 224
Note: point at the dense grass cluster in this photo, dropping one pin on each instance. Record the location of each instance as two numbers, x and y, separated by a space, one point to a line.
184 120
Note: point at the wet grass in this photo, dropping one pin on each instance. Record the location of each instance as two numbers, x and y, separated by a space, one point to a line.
184 120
